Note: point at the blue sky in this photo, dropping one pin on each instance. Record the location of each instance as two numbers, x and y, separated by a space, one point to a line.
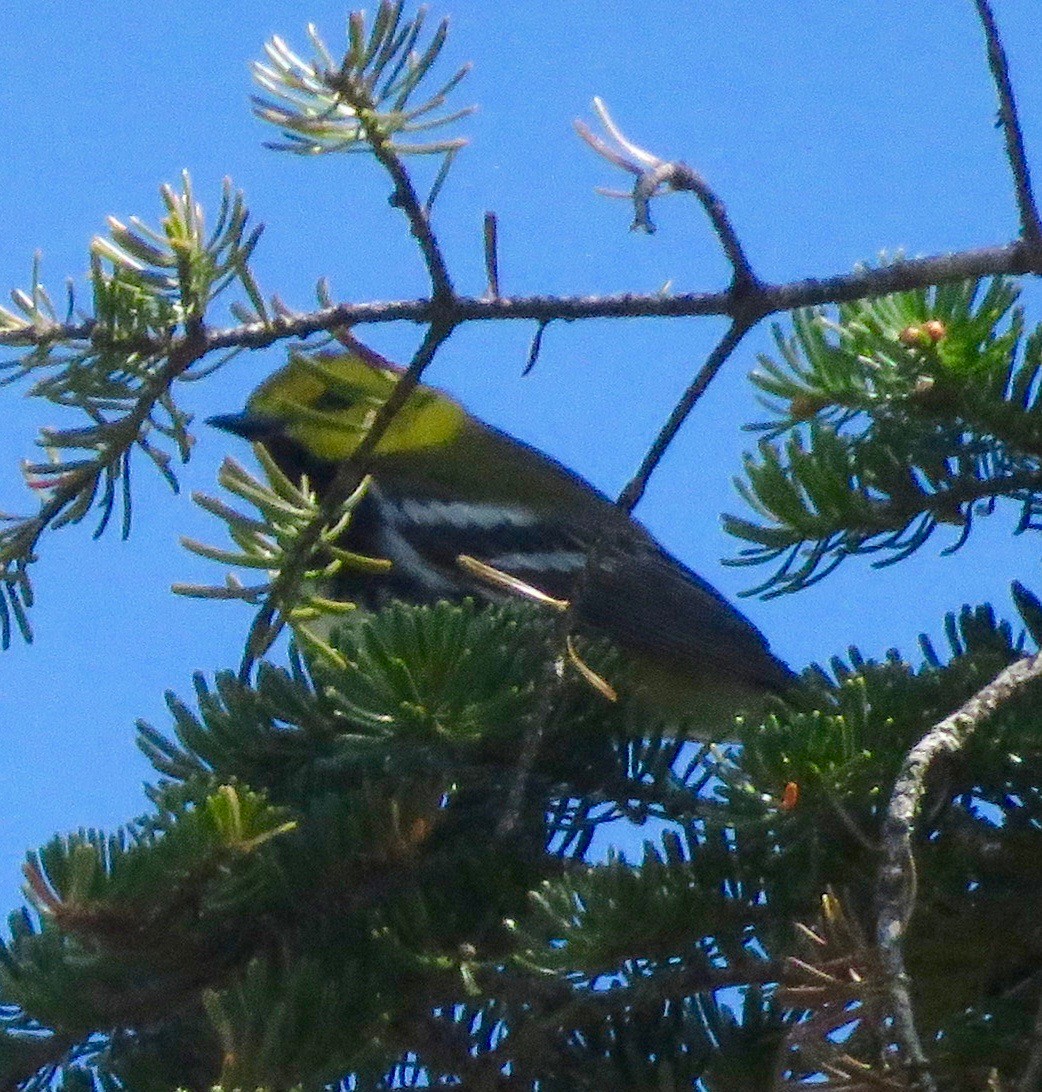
833 131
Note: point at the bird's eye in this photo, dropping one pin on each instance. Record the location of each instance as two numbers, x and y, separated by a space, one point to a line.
333 402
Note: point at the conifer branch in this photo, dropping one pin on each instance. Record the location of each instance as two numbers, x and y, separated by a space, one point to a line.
896 881
352 100
365 103
899 415
360 902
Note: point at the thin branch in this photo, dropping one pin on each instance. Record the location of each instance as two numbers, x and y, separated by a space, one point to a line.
543 716
1011 259
757 301
550 1003
653 173
271 617
183 353
682 178
895 883
1030 226
631 495
490 233
535 348
354 89
848 823
668 983
406 199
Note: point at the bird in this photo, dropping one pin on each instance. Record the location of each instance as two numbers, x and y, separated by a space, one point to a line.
462 509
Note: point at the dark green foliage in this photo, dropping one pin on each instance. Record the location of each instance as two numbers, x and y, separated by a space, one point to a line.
321 888
312 856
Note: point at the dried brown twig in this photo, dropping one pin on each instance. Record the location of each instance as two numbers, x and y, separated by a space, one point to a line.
837 981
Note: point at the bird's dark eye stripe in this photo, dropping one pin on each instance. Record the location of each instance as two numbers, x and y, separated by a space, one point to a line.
331 401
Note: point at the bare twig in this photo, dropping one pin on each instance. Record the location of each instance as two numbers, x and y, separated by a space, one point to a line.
535 348
406 199
544 1003
849 825
1030 226
490 233
895 885
682 178
673 982
653 173
630 496
837 981
542 720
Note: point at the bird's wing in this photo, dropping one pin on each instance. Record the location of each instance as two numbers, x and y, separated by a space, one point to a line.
635 592
647 599
432 533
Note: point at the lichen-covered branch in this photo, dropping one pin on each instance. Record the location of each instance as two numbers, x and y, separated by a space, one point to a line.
896 882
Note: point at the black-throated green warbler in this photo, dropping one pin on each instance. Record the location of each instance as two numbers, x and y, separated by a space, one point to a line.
447 486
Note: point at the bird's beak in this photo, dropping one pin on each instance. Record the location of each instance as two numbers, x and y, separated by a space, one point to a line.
248 425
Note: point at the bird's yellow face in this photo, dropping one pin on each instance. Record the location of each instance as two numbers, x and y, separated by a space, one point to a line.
327 403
